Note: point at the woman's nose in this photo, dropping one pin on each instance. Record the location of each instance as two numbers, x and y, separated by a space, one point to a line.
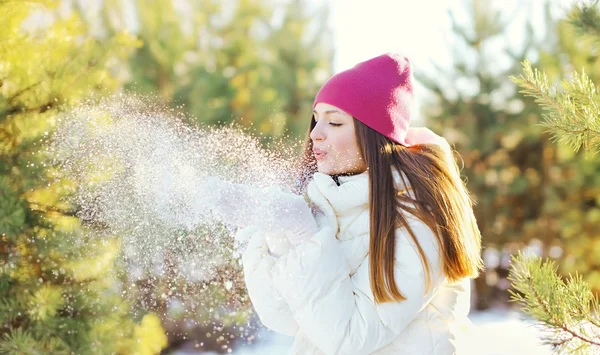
317 132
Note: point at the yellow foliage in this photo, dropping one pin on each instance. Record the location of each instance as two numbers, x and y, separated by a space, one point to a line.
67 54
511 140
31 126
45 68
11 16
124 42
114 329
238 81
593 216
24 272
146 338
49 195
44 303
102 170
593 278
278 124
100 121
265 127
242 98
95 267
64 223
269 95
564 152
595 251
149 336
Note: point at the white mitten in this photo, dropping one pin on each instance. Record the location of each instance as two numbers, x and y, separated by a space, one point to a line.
289 214
278 244
275 211
235 204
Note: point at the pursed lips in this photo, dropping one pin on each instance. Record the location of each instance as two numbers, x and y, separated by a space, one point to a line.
319 153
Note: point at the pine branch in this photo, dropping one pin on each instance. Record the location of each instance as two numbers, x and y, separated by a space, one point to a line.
586 19
10 312
572 116
26 110
568 310
45 208
12 99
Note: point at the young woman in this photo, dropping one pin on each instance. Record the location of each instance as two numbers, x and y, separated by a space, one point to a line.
384 266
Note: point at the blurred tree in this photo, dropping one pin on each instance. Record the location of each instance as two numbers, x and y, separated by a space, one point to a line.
299 58
526 187
479 111
570 116
58 295
248 62
569 309
244 61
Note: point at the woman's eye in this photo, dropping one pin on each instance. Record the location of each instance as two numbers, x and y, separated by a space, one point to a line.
335 124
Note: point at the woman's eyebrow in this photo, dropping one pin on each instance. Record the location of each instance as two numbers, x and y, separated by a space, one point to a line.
328 112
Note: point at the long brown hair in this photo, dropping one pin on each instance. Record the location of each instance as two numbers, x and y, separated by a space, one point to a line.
441 201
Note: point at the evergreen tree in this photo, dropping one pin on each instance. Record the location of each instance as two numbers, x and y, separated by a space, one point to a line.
247 62
571 114
490 126
569 309
58 295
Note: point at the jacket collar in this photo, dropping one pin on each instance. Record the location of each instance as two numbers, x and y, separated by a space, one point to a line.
352 192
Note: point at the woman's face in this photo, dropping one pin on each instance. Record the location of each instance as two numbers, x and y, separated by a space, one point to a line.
334 142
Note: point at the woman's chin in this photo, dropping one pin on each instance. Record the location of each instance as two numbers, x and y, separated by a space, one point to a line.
329 170
325 169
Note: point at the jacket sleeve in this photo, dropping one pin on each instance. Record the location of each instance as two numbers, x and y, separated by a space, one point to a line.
336 310
271 308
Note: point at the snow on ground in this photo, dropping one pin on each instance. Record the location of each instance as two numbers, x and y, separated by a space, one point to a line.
504 332
500 332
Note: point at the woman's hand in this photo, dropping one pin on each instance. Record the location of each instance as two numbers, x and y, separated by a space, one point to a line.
272 209
288 214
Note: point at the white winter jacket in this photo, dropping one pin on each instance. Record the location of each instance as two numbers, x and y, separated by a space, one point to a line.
320 293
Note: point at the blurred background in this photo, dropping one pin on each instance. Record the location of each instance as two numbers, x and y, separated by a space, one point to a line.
259 64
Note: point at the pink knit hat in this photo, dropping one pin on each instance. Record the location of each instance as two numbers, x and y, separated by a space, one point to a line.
379 93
